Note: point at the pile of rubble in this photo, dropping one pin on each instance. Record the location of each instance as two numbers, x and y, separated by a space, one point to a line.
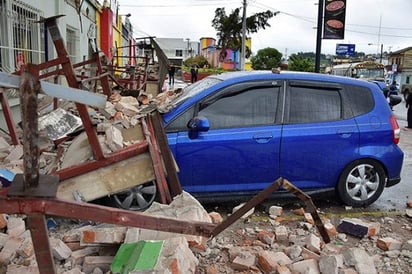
258 243
59 127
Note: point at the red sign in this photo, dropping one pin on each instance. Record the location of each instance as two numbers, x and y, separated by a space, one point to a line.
334 19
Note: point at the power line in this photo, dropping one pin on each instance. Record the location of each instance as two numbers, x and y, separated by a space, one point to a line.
311 20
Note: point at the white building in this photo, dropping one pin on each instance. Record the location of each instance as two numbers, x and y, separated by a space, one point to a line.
178 49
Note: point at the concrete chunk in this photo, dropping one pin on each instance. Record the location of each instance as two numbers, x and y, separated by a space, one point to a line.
358 258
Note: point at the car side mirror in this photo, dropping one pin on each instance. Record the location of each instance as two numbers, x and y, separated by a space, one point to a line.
196 125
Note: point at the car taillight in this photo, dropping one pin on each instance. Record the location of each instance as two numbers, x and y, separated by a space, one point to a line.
396 131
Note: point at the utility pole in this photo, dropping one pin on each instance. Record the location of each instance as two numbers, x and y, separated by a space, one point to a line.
243 54
319 36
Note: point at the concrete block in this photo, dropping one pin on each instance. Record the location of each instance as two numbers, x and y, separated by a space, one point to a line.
3 239
92 262
77 257
305 266
406 245
20 269
59 249
330 264
281 233
275 210
9 250
15 226
176 251
243 261
359 259
308 217
216 217
313 243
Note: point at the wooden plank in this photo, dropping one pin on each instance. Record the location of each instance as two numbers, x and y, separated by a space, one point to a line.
108 180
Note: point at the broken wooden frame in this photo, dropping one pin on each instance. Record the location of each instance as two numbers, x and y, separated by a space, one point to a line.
263 195
35 195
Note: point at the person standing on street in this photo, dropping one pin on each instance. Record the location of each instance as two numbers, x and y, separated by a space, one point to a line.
193 72
172 70
409 113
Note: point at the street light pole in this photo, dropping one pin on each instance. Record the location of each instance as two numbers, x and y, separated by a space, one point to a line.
381 54
243 50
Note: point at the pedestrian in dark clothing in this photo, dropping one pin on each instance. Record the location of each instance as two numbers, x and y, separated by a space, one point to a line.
393 89
193 72
409 113
172 70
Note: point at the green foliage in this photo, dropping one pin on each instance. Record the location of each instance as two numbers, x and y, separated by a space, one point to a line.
198 60
298 62
229 27
266 59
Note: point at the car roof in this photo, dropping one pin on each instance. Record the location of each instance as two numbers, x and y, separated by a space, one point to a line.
288 75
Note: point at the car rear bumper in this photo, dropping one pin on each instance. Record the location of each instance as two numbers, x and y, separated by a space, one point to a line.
393 181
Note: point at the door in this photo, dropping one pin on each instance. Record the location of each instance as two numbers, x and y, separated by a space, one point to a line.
318 138
240 151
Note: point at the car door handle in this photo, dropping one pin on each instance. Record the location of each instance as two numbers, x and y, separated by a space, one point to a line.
262 138
345 133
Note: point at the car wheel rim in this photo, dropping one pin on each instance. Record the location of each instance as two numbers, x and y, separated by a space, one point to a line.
136 198
362 182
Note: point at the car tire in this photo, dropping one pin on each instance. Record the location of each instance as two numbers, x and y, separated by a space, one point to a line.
137 198
361 183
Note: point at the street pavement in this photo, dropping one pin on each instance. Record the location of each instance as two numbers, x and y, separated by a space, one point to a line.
395 197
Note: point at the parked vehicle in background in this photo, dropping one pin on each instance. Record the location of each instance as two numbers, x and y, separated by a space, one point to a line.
366 70
233 134
404 79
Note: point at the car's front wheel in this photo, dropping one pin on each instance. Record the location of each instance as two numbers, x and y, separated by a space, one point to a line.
136 198
361 183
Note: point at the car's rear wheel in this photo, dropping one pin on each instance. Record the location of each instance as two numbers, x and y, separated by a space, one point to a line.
136 198
361 183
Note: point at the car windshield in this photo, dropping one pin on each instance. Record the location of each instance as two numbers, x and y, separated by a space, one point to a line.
195 88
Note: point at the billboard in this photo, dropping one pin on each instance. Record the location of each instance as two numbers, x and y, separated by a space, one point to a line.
334 19
345 49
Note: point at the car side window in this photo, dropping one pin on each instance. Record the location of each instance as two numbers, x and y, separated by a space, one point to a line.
358 99
250 107
310 105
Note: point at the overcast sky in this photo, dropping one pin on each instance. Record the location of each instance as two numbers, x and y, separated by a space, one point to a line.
387 22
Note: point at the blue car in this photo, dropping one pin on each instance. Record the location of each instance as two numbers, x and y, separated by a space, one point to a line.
235 133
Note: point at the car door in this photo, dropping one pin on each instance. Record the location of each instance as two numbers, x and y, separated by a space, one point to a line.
240 151
320 136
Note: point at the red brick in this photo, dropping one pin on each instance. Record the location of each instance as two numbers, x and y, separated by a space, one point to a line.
266 262
266 237
3 221
388 243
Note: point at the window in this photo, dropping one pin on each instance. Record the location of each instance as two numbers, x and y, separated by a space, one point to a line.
251 107
71 43
308 105
407 79
179 52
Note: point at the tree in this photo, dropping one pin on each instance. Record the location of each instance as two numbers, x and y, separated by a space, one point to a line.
300 63
229 28
198 60
267 58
